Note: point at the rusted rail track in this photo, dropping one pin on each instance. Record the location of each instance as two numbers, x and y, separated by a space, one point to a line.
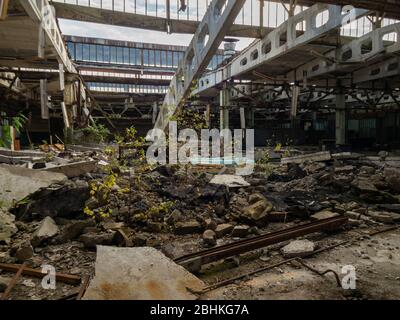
194 261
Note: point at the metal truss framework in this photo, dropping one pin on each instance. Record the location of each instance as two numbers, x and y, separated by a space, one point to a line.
209 35
271 47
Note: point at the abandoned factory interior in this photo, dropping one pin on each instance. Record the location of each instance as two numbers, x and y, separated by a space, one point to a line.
199 150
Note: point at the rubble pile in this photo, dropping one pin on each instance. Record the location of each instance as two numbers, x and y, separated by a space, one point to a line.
63 222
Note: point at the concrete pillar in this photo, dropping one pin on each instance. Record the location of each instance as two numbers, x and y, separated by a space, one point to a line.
250 118
224 108
44 101
208 116
155 112
340 119
242 118
295 101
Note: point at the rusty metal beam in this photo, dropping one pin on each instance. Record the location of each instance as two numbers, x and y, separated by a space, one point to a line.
194 261
13 282
62 277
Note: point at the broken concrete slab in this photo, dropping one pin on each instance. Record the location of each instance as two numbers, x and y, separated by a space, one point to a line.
19 157
47 229
16 183
346 156
298 248
257 212
392 162
223 229
188 227
313 157
72 170
59 200
392 177
325 214
7 226
85 148
240 231
140 273
92 239
230 180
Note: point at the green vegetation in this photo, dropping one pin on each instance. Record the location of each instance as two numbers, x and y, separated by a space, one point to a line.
18 123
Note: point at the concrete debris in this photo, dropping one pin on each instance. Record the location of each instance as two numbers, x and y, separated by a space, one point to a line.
223 229
188 227
298 248
141 273
7 226
326 214
230 181
20 157
46 230
24 252
240 231
91 240
59 200
392 177
209 238
16 183
74 230
257 212
313 157
4 284
74 169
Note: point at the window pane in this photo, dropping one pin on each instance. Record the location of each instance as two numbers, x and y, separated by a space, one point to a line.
113 55
126 55
107 54
100 54
79 51
86 52
146 57
151 57
93 52
120 55
71 49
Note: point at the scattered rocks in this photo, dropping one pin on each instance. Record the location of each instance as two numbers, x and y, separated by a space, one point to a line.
91 240
210 224
392 177
240 231
344 169
7 226
74 230
47 229
223 229
188 227
257 212
209 238
174 217
24 252
298 248
326 214
4 284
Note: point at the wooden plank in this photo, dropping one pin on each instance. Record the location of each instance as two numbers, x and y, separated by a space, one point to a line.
62 277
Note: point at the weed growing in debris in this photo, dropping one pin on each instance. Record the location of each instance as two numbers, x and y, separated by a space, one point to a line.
96 132
101 191
17 122
133 144
189 119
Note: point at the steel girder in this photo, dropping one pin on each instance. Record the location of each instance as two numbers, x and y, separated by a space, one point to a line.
210 33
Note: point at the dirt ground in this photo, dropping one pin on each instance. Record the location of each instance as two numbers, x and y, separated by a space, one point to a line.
376 260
